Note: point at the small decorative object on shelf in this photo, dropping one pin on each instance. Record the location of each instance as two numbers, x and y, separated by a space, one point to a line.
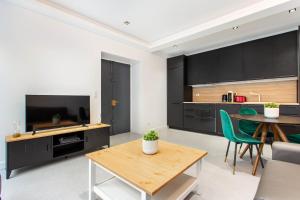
271 110
150 142
56 119
99 120
16 125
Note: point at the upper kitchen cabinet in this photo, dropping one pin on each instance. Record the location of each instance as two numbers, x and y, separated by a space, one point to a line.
285 55
230 66
271 57
258 59
201 68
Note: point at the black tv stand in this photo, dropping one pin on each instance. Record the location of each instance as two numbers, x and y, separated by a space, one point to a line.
50 145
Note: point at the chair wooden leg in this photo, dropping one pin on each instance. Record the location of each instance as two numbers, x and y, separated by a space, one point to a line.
250 151
234 161
259 154
255 135
228 145
240 147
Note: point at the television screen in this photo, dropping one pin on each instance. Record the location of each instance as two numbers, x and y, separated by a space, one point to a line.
53 111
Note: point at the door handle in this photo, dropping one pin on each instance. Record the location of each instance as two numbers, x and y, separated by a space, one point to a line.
114 103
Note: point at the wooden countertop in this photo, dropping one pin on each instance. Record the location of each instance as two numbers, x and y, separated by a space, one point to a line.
148 172
58 131
245 103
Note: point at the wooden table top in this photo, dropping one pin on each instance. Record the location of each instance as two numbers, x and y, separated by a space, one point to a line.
57 131
147 172
283 119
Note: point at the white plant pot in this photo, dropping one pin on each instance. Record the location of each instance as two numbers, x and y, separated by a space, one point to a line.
271 112
150 147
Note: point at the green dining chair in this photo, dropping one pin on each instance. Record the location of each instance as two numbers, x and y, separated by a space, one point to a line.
294 138
249 127
237 138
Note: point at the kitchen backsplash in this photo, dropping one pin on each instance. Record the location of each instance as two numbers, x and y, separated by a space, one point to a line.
278 91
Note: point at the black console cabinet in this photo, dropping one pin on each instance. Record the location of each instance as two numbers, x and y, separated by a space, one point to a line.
31 150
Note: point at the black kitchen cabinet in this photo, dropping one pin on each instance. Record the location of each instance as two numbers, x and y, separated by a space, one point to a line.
258 59
175 115
285 55
230 66
28 152
292 110
230 109
177 91
200 118
266 58
175 84
201 68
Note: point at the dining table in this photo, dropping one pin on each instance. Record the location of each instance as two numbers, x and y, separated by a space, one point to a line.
264 125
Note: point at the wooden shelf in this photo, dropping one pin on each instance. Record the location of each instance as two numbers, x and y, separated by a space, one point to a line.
58 131
115 189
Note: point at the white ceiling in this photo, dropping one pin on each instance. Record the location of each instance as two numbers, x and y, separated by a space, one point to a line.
174 27
152 20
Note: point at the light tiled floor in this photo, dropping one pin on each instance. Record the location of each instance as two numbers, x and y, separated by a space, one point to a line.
68 179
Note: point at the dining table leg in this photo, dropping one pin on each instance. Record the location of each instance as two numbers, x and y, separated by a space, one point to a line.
275 132
255 135
281 133
261 146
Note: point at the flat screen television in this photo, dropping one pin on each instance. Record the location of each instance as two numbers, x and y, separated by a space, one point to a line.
54 111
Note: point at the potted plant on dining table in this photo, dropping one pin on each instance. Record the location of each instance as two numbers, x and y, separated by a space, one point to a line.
271 110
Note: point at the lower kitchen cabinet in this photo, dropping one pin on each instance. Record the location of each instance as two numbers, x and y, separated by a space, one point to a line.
205 118
200 118
293 111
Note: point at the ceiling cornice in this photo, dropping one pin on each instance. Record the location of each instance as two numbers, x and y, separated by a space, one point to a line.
230 20
251 13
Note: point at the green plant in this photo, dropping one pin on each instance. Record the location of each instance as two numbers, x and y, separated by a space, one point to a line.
151 136
56 116
271 105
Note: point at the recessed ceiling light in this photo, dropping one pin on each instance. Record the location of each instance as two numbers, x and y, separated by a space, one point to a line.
292 10
235 28
126 23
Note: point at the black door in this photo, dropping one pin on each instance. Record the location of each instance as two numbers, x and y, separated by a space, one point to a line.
115 96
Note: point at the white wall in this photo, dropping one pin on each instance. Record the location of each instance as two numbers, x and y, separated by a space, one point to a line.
40 55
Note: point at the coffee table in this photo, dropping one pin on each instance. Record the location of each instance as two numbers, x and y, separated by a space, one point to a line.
140 176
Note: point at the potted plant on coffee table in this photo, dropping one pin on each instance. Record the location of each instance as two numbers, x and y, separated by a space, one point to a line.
271 110
150 142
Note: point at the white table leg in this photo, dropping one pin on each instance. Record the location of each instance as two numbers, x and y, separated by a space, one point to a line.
92 179
197 175
145 196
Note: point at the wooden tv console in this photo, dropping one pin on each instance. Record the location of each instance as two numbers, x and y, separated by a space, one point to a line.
46 146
